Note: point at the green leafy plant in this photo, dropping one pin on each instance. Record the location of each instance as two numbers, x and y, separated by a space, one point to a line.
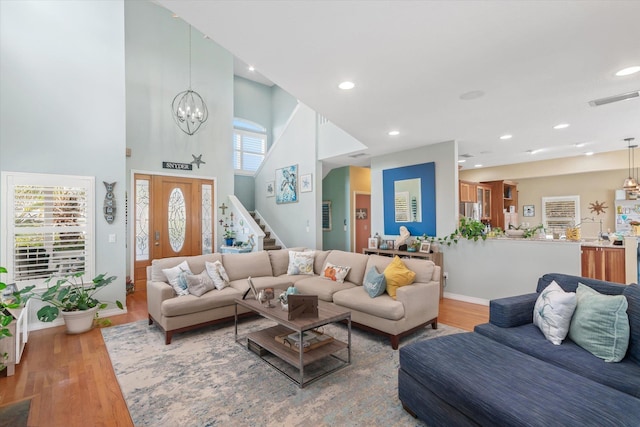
468 228
5 319
69 293
229 234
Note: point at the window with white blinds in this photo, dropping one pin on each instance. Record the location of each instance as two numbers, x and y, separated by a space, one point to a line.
49 220
560 212
249 145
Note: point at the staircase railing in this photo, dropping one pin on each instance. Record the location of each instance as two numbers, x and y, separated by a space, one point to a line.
245 227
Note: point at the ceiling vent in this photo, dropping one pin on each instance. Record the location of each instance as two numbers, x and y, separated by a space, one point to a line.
615 98
355 156
467 156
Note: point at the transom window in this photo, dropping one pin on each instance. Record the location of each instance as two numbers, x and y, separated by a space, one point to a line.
249 145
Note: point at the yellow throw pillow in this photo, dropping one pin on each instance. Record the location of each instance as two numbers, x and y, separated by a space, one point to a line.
397 274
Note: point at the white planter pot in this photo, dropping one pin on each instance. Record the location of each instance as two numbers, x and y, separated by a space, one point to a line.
79 321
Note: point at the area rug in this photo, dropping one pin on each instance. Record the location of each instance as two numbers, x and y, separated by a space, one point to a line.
15 414
205 378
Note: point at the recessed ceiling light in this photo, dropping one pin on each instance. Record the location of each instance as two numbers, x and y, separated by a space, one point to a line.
346 85
477 166
394 132
561 126
580 145
506 136
461 161
175 15
628 71
251 68
534 151
474 94
589 153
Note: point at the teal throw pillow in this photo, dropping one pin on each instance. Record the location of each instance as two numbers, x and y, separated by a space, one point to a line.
374 283
600 324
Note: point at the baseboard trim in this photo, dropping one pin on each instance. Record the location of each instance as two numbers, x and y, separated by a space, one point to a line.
464 298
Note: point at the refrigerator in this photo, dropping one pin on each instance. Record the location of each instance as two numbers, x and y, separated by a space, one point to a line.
626 212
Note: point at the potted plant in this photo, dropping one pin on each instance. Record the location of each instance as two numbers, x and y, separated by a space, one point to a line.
229 236
5 320
73 298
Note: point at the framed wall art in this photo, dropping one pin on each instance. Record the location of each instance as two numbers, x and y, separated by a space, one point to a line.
271 188
287 184
306 185
529 210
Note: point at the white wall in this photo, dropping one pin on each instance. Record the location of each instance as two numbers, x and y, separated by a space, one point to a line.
494 268
157 58
445 156
296 224
333 141
62 104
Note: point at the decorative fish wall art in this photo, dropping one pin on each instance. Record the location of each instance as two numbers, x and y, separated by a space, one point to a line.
109 208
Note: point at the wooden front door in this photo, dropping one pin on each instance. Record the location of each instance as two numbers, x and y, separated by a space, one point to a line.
173 217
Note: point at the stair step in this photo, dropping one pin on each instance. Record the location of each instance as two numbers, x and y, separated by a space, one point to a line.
268 242
272 248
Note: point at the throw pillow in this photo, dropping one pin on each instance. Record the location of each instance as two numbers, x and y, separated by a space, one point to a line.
301 262
337 273
552 312
218 274
374 282
397 275
177 280
200 284
600 324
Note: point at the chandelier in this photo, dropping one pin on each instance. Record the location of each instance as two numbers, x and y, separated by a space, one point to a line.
188 108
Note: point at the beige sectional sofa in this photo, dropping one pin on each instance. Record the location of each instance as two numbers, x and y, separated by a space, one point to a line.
416 305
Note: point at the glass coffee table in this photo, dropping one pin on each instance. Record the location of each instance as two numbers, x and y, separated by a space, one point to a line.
296 357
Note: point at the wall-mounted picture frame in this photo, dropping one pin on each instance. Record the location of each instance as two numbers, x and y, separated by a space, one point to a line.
270 188
528 210
287 184
425 247
326 215
372 243
306 183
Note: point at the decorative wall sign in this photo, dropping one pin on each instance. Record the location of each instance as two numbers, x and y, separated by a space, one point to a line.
178 166
287 184
361 213
271 188
197 160
109 207
597 208
306 184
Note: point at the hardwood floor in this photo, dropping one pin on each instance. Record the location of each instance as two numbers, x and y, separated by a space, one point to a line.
60 371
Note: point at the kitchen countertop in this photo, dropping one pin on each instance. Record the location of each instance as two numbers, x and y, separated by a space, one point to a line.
582 242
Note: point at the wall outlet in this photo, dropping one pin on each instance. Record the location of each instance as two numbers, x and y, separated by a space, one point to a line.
445 275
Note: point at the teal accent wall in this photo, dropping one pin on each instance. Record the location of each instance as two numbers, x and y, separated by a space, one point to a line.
245 190
335 188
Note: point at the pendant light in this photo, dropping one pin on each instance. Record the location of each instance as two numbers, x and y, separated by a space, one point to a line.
188 108
630 183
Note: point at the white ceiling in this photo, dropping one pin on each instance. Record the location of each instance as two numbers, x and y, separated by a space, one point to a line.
538 64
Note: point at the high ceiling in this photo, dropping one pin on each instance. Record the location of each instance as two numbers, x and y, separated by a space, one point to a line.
535 63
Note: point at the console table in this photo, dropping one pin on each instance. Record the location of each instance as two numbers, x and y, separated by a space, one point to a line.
436 257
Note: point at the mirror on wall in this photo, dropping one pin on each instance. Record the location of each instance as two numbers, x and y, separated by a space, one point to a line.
407 200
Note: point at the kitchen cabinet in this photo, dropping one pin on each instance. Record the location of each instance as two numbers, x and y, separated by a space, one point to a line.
603 263
484 202
467 191
504 199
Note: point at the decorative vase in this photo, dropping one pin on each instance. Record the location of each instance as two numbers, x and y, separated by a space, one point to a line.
79 321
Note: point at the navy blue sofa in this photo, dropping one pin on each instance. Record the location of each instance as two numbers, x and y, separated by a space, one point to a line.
506 373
